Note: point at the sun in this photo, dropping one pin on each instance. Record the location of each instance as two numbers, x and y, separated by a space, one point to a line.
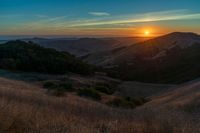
146 32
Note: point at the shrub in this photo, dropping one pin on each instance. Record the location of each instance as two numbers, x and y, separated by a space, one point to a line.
89 92
57 88
119 102
105 89
127 102
138 100
102 84
67 86
57 92
50 85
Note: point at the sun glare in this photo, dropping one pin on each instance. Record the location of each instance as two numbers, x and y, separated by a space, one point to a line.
146 33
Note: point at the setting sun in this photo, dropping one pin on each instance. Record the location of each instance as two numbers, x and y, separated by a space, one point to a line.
146 33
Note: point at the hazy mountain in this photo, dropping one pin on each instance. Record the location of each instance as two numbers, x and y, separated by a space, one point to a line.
84 46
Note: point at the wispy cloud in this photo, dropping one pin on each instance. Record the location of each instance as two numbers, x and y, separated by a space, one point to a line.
61 23
99 13
144 17
56 18
45 21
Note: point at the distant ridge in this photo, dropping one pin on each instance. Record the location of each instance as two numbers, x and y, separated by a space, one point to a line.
171 58
149 48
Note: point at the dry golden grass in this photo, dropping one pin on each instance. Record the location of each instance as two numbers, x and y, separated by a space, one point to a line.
25 108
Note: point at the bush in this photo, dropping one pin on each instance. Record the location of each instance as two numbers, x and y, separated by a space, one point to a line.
105 90
127 102
104 87
57 88
66 86
57 92
137 101
89 92
119 102
50 85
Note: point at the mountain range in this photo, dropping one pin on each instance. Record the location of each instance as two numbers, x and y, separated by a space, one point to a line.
83 46
171 58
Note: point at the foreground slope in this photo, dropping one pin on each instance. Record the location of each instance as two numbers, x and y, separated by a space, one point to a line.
25 107
185 96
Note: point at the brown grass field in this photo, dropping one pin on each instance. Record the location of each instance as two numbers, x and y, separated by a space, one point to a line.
26 108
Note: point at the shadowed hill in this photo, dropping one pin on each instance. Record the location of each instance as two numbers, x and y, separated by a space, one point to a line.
23 56
155 47
172 58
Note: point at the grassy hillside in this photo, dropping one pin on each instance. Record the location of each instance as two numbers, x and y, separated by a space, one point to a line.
27 108
177 66
139 89
22 56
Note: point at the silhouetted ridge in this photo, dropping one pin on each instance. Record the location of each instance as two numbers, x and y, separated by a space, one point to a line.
27 56
182 35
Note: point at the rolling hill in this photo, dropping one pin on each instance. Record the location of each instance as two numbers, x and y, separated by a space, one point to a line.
26 107
172 58
150 48
183 99
28 56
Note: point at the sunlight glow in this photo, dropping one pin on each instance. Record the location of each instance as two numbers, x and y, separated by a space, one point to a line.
146 32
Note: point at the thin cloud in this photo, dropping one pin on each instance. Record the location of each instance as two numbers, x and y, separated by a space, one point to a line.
99 13
60 23
145 17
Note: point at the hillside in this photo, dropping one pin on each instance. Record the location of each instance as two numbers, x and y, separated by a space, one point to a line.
139 89
172 58
150 48
184 97
27 56
27 107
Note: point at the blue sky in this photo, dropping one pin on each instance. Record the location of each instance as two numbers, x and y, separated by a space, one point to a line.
98 17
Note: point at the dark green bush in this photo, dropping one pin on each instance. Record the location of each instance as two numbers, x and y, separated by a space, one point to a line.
57 88
57 92
89 92
103 84
127 102
50 85
105 89
67 86
122 103
137 101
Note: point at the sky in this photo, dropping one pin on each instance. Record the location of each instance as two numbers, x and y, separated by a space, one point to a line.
98 17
